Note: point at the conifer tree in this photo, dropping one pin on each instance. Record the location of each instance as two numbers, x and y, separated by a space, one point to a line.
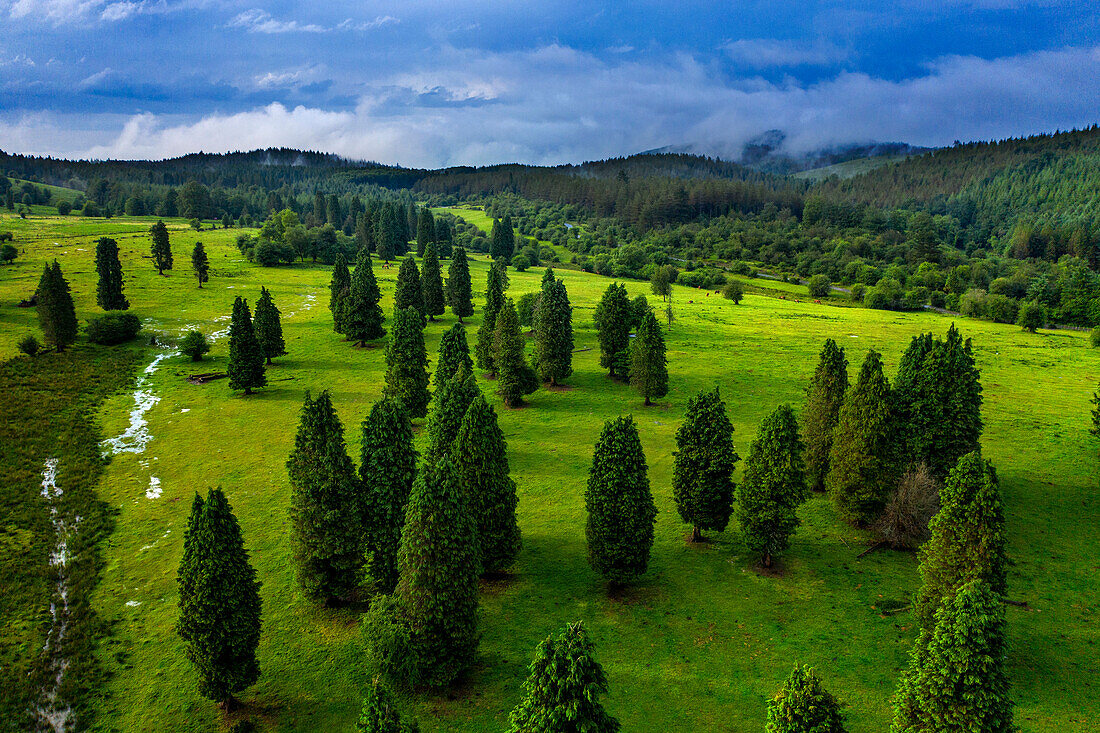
494 299
380 713
338 290
161 247
514 377
553 353
444 239
56 312
824 397
362 314
774 486
702 469
502 239
1095 429
269 329
863 461
326 505
200 263
453 353
562 689
108 292
613 317
438 585
432 283
648 365
407 363
219 601
425 231
459 289
481 467
246 356
804 706
448 408
387 469
621 512
408 293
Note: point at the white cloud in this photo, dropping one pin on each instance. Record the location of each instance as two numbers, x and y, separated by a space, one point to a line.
769 52
62 12
289 78
260 21
367 25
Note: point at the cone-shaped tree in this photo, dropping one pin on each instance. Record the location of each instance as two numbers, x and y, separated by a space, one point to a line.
246 356
563 687
380 713
494 299
449 405
326 505
432 283
502 239
481 467
108 294
219 601
863 462
824 397
56 312
437 590
621 512
648 365
514 377
408 293
702 469
613 317
774 486
1095 429
453 353
362 315
269 329
553 354
387 469
407 363
200 264
338 290
161 247
425 231
459 289
444 238
804 706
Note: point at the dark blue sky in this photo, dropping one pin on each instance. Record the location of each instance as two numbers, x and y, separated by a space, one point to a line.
434 83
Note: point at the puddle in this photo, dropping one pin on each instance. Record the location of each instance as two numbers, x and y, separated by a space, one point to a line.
137 435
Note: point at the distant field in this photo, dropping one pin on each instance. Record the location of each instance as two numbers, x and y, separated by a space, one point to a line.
57 193
849 168
484 222
703 640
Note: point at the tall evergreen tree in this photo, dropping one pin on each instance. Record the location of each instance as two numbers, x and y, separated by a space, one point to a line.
432 283
269 329
459 289
613 317
702 469
563 687
326 505
338 290
408 293
1095 429
246 356
453 354
444 238
448 408
514 377
425 231
502 239
553 354
648 365
219 601
362 314
621 512
200 263
380 713
161 247
774 486
481 466
494 299
824 397
407 363
804 706
56 312
387 469
863 461
108 292
389 244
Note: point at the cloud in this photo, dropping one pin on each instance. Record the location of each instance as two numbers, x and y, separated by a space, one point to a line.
356 25
769 52
260 21
289 78
71 12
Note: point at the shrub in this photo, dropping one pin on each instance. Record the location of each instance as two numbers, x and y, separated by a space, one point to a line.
6 236
974 303
29 345
113 328
1002 308
1094 337
952 302
877 298
194 344
937 299
819 286
904 522
8 253
526 305
521 262
64 208
857 293
734 291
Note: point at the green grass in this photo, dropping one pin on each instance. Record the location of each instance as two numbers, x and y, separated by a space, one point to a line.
57 193
484 222
849 168
704 639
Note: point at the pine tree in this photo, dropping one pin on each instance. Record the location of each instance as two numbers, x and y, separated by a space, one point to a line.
246 356
407 363
219 601
56 312
362 314
774 486
444 238
338 290
863 461
387 469
494 299
108 293
448 408
804 706
326 505
824 397
514 377
481 467
161 247
438 586
453 353
432 283
621 512
408 293
380 714
613 315
562 689
200 263
553 354
269 329
1095 429
702 469
459 289
502 239
425 231
648 365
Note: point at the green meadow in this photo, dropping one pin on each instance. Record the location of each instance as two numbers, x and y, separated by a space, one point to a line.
704 638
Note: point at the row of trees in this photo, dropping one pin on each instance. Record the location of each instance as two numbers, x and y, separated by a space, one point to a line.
253 344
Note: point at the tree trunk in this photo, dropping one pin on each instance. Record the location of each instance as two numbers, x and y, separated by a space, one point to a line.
229 704
767 559
647 402
269 361
696 535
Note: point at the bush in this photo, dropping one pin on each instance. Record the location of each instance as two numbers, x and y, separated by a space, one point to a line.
819 286
8 254
64 208
521 262
952 302
1002 308
937 299
387 643
904 522
113 328
974 303
915 299
877 298
269 254
857 293
1033 315
1094 337
734 291
194 344
29 345
6 237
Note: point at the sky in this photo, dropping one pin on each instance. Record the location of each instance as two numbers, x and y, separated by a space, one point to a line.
432 84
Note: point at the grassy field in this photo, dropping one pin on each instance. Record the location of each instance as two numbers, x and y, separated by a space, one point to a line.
702 641
484 222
